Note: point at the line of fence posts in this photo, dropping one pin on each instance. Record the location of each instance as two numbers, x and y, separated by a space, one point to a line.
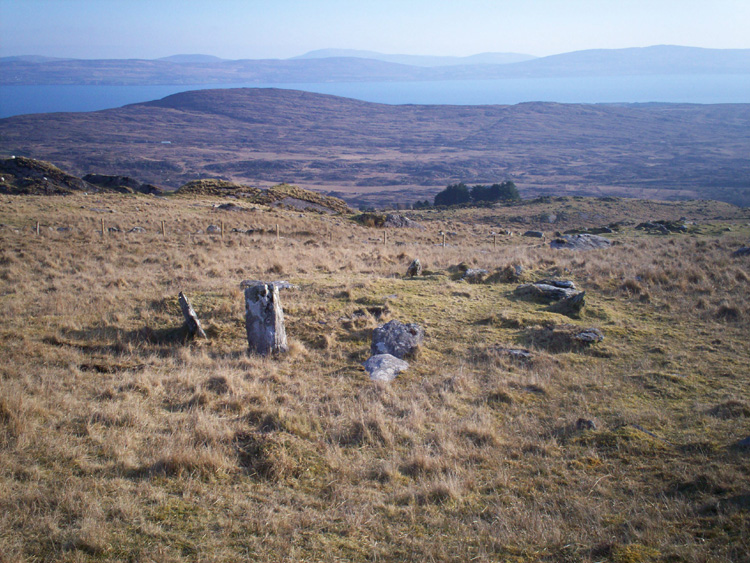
278 233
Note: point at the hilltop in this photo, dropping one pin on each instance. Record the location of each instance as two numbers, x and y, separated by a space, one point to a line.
26 176
376 154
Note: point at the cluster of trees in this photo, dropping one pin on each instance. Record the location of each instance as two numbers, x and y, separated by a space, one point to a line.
457 194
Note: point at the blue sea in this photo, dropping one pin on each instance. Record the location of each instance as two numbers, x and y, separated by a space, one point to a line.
696 89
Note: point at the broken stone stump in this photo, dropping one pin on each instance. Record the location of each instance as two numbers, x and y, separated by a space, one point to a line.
570 306
397 339
264 319
191 319
385 367
414 269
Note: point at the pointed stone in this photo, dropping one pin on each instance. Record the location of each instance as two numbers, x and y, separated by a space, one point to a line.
191 319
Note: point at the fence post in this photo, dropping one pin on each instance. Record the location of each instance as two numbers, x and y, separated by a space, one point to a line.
163 232
494 240
102 227
222 229
385 237
443 240
37 228
277 231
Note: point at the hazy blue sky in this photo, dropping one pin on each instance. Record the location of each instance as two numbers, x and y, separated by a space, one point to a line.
284 28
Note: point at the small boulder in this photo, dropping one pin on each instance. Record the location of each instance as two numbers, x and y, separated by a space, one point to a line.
589 336
213 230
585 424
744 251
137 230
385 367
396 338
414 269
534 234
519 354
544 292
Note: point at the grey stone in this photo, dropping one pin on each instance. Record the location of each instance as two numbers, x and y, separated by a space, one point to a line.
515 353
264 319
585 424
544 292
534 234
570 306
397 339
213 230
744 251
567 284
414 269
589 336
137 230
475 275
744 443
400 222
280 284
191 319
580 242
385 367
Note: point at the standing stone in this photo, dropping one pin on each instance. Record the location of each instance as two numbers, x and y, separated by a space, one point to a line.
415 268
191 319
264 319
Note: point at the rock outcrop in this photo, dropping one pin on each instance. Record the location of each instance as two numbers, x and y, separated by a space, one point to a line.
580 242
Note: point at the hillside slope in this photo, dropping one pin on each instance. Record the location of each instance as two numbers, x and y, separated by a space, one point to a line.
377 153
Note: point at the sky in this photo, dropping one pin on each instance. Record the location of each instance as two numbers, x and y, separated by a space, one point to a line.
257 29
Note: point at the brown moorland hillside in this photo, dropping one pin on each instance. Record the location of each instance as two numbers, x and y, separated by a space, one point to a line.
380 154
122 441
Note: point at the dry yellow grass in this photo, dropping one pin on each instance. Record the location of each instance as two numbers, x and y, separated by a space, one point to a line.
121 442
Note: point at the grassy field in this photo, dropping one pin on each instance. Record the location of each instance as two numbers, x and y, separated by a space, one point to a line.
119 441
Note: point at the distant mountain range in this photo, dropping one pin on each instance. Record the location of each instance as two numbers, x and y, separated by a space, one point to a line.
365 66
376 153
419 60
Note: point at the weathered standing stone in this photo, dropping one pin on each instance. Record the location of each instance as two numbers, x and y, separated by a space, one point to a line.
397 339
415 268
191 319
385 367
264 319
